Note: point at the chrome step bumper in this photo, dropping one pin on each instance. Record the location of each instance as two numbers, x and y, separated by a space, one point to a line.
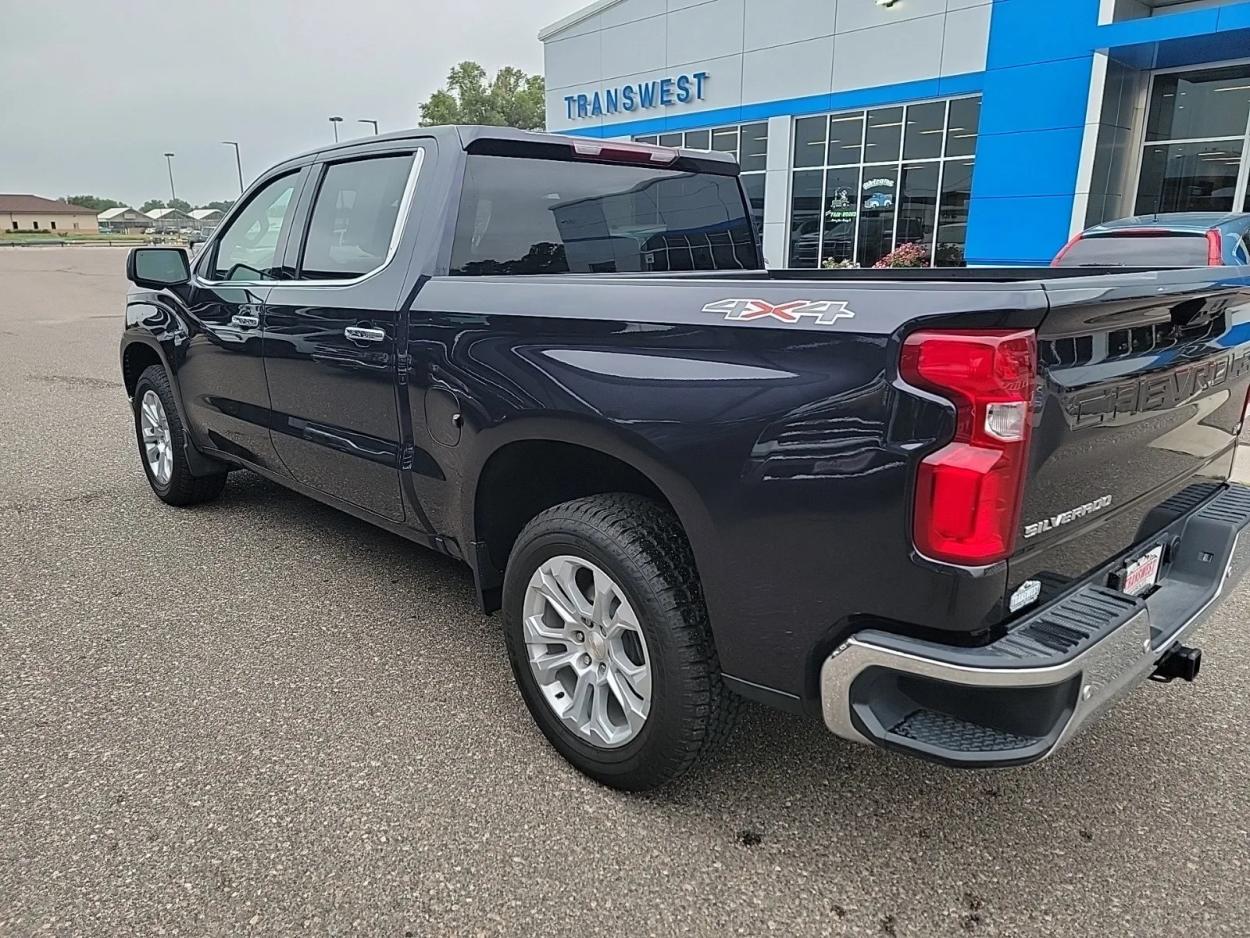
1018 699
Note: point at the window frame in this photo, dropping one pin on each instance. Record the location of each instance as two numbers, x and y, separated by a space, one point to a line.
1241 189
864 166
317 177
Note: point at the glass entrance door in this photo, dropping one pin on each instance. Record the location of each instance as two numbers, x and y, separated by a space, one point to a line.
1195 157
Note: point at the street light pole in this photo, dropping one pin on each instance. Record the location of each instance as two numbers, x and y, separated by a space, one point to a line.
238 163
334 122
169 162
367 121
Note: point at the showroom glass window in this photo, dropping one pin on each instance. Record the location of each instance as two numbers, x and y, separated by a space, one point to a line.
747 143
1194 158
867 181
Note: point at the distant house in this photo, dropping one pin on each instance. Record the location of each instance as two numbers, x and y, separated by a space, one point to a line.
123 219
206 219
34 213
169 219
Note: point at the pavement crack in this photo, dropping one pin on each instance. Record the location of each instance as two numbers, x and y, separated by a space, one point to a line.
82 498
76 381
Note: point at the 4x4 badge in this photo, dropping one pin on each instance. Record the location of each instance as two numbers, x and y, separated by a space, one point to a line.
824 312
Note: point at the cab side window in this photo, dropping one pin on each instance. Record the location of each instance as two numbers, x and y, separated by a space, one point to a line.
354 217
248 247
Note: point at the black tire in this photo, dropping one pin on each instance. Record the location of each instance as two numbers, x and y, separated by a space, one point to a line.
641 545
183 488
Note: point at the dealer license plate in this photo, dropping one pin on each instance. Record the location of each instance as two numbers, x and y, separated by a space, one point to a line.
1142 573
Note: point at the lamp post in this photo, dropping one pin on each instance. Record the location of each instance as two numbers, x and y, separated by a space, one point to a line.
238 163
367 121
169 163
334 123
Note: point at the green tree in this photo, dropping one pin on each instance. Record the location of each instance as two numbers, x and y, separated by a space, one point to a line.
151 204
221 205
511 99
93 202
181 205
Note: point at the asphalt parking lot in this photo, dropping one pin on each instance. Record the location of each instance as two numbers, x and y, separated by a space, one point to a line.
262 716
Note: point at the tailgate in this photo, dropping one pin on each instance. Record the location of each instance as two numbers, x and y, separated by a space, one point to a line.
1142 391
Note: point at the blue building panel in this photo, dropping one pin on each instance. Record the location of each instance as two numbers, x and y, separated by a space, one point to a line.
1016 104
1039 67
1008 230
1026 32
1030 163
944 87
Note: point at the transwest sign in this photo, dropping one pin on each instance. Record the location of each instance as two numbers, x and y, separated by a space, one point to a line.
639 96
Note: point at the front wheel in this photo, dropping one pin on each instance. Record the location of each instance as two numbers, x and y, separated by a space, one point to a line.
162 444
609 641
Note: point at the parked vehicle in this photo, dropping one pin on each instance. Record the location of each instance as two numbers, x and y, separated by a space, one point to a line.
956 513
1173 239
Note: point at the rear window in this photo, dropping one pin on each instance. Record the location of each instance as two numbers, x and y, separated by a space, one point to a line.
535 216
1138 251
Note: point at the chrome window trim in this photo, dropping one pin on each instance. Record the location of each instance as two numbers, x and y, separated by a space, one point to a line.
401 222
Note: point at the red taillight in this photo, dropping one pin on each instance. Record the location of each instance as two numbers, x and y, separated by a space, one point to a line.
624 152
1065 249
1215 256
968 493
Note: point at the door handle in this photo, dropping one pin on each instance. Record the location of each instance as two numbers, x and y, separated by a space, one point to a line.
245 320
365 334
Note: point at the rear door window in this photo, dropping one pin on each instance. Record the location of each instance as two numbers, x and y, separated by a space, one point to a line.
354 217
536 216
1138 251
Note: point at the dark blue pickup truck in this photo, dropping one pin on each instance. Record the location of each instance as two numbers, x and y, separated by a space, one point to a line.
954 513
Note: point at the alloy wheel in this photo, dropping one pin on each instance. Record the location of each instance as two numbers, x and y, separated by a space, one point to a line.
158 447
587 651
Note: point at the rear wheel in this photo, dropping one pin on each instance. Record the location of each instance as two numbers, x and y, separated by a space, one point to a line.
162 439
609 640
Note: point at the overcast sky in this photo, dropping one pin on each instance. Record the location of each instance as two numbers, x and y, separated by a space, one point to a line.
92 92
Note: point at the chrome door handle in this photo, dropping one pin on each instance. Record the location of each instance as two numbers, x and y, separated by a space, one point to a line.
245 320
364 334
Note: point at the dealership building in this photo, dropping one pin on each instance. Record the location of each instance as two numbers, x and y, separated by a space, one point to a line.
987 131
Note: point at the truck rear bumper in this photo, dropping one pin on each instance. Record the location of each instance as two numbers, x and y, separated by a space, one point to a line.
1018 699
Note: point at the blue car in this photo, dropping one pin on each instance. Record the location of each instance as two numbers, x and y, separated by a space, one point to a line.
1171 239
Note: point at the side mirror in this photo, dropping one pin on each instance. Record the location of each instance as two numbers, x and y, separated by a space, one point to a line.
158 267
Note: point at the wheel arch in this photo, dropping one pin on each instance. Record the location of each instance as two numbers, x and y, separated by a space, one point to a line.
137 357
139 351
534 467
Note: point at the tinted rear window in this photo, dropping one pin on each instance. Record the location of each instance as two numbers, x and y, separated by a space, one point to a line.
1138 251
534 216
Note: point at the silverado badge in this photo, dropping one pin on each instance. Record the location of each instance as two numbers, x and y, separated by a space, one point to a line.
1066 517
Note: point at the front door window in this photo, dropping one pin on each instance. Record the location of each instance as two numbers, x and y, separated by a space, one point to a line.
248 248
